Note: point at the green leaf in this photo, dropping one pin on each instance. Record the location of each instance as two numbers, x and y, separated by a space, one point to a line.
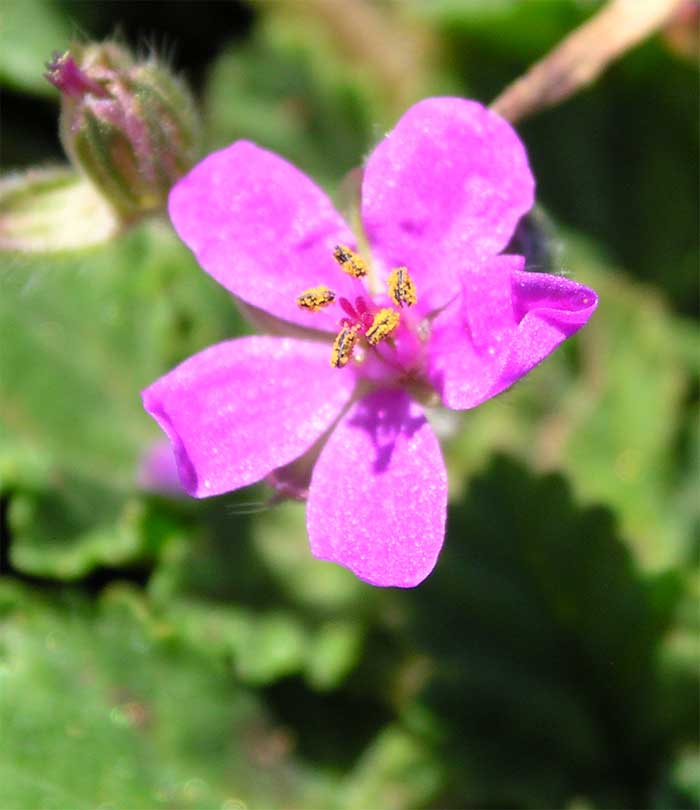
280 537
263 646
81 336
681 784
510 28
77 525
543 640
288 90
220 592
336 649
396 772
627 410
100 707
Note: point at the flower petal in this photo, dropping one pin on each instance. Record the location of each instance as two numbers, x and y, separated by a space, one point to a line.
444 189
506 322
263 230
239 409
378 497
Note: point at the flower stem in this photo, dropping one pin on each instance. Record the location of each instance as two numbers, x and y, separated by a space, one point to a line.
582 56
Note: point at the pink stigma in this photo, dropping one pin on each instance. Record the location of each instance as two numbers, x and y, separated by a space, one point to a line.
64 73
348 308
360 314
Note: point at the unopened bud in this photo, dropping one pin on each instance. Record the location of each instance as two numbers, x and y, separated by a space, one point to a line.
130 126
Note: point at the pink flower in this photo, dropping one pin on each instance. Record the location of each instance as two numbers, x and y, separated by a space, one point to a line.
439 311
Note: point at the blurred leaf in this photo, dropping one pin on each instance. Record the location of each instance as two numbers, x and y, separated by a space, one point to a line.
287 90
511 28
81 336
626 412
263 647
681 784
335 651
77 525
220 594
240 549
606 408
544 640
280 538
50 210
142 721
30 31
395 772
679 663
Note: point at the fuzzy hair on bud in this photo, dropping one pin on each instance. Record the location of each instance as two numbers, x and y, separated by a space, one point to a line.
130 126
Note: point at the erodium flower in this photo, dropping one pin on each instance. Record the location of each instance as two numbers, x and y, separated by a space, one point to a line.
419 305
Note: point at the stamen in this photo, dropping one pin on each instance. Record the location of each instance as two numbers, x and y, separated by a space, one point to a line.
316 298
350 262
402 290
343 345
384 323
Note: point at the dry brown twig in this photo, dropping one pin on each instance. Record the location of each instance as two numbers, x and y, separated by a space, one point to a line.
583 55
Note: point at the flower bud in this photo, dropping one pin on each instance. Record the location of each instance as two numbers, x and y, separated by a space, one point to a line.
130 126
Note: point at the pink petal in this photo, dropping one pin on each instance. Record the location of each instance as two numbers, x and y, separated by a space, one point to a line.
443 190
378 496
263 230
506 322
239 409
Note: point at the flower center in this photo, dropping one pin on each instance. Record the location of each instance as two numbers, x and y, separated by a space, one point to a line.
364 322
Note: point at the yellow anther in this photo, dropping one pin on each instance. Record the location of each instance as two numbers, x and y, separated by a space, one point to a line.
316 298
350 262
384 323
343 345
402 290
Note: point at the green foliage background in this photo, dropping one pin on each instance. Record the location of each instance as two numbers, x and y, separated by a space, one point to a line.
161 653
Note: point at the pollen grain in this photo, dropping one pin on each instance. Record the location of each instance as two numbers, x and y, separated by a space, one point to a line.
343 346
402 290
316 298
384 323
350 262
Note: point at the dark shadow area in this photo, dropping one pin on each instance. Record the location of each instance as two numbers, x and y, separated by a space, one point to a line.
546 642
93 583
535 239
330 728
221 563
29 131
188 33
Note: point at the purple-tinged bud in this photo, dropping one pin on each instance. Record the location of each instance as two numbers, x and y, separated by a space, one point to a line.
130 126
158 470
